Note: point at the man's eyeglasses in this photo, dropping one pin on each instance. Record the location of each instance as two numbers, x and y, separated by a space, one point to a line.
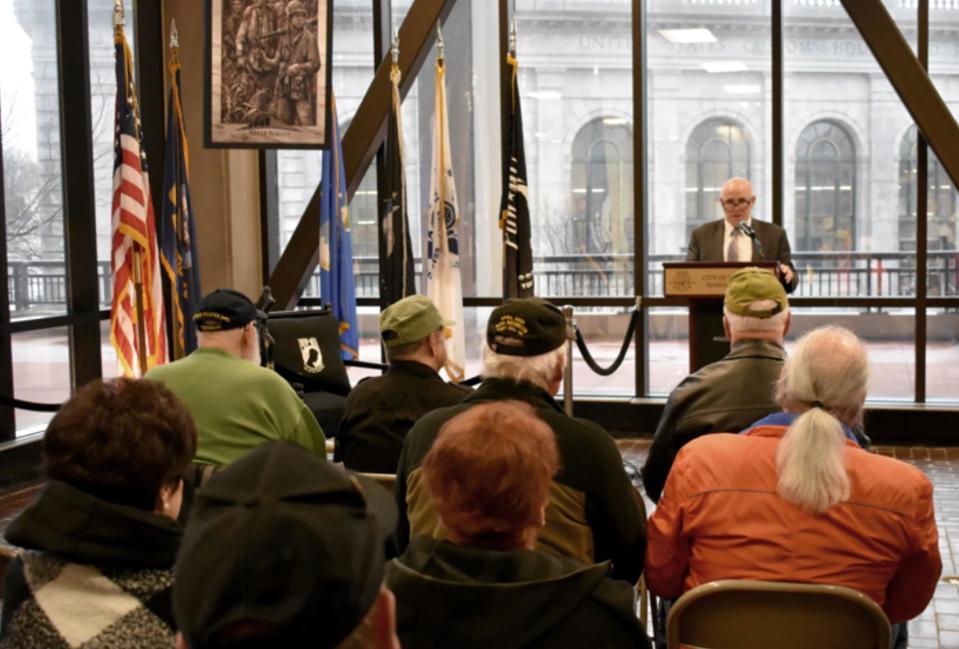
735 202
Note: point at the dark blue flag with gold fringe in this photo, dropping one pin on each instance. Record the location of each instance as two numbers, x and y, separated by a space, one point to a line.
177 227
336 250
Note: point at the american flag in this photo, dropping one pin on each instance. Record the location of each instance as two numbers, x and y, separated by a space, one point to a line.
137 334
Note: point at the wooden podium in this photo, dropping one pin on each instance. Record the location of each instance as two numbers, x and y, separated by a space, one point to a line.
702 285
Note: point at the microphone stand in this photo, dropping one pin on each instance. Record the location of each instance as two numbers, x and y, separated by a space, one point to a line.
749 232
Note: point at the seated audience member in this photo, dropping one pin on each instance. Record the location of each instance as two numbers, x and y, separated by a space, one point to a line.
99 540
489 473
236 404
381 410
794 499
730 394
285 549
593 514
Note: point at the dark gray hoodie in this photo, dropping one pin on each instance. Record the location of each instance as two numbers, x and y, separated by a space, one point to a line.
450 595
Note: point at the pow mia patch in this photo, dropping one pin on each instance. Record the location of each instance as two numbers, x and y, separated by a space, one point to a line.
312 356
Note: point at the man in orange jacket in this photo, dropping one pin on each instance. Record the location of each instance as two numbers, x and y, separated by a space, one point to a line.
794 499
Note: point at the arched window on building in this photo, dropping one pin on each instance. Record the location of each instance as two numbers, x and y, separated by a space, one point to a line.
825 188
717 150
941 227
602 188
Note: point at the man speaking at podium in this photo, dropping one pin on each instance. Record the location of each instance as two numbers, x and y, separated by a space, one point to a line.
738 237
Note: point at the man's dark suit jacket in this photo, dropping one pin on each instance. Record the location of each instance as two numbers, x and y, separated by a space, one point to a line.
706 244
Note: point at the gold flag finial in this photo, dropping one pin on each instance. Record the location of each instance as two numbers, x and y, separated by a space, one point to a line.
119 16
395 48
174 35
440 49
512 38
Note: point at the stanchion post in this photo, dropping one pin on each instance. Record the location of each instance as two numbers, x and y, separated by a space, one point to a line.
568 371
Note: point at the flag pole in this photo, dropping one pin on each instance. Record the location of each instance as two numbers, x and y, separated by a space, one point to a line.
119 21
440 70
141 326
176 329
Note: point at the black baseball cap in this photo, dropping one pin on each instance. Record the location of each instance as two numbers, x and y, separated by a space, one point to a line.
284 541
525 327
225 309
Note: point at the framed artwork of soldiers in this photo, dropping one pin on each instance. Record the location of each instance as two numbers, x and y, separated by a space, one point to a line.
268 73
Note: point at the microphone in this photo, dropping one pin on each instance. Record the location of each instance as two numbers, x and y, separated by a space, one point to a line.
746 229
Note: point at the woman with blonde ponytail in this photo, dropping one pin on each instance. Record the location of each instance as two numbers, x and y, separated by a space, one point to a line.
794 497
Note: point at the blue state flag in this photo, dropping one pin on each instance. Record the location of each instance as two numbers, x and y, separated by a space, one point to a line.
177 226
336 251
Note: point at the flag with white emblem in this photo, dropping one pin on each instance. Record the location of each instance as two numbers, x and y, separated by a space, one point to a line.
443 244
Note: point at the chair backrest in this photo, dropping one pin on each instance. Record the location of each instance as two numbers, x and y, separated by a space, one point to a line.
750 614
388 480
307 350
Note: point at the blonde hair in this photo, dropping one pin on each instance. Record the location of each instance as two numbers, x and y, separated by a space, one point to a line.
824 379
538 370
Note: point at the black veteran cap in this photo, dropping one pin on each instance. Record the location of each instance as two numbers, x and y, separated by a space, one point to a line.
284 540
525 327
225 309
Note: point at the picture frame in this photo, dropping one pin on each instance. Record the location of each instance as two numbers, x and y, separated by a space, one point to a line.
267 77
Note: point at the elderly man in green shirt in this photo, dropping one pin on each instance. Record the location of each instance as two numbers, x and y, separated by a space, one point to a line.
236 404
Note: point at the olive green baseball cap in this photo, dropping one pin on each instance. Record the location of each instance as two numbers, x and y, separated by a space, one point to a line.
749 285
411 319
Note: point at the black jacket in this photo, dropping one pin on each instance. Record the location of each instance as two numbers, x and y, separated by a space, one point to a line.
706 244
594 513
723 397
380 411
68 533
455 596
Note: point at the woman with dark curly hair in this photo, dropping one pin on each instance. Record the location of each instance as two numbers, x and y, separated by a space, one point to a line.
488 474
99 541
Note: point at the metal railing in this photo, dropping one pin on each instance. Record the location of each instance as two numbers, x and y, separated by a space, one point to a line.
822 274
38 287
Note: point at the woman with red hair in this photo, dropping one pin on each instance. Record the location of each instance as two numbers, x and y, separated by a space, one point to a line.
489 474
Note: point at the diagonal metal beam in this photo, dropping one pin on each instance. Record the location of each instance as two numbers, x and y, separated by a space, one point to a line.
360 143
910 80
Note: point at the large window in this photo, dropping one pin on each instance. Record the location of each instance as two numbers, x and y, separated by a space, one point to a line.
33 188
825 188
709 101
845 191
717 150
576 96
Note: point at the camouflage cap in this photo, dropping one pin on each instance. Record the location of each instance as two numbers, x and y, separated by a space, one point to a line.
748 286
525 327
411 319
